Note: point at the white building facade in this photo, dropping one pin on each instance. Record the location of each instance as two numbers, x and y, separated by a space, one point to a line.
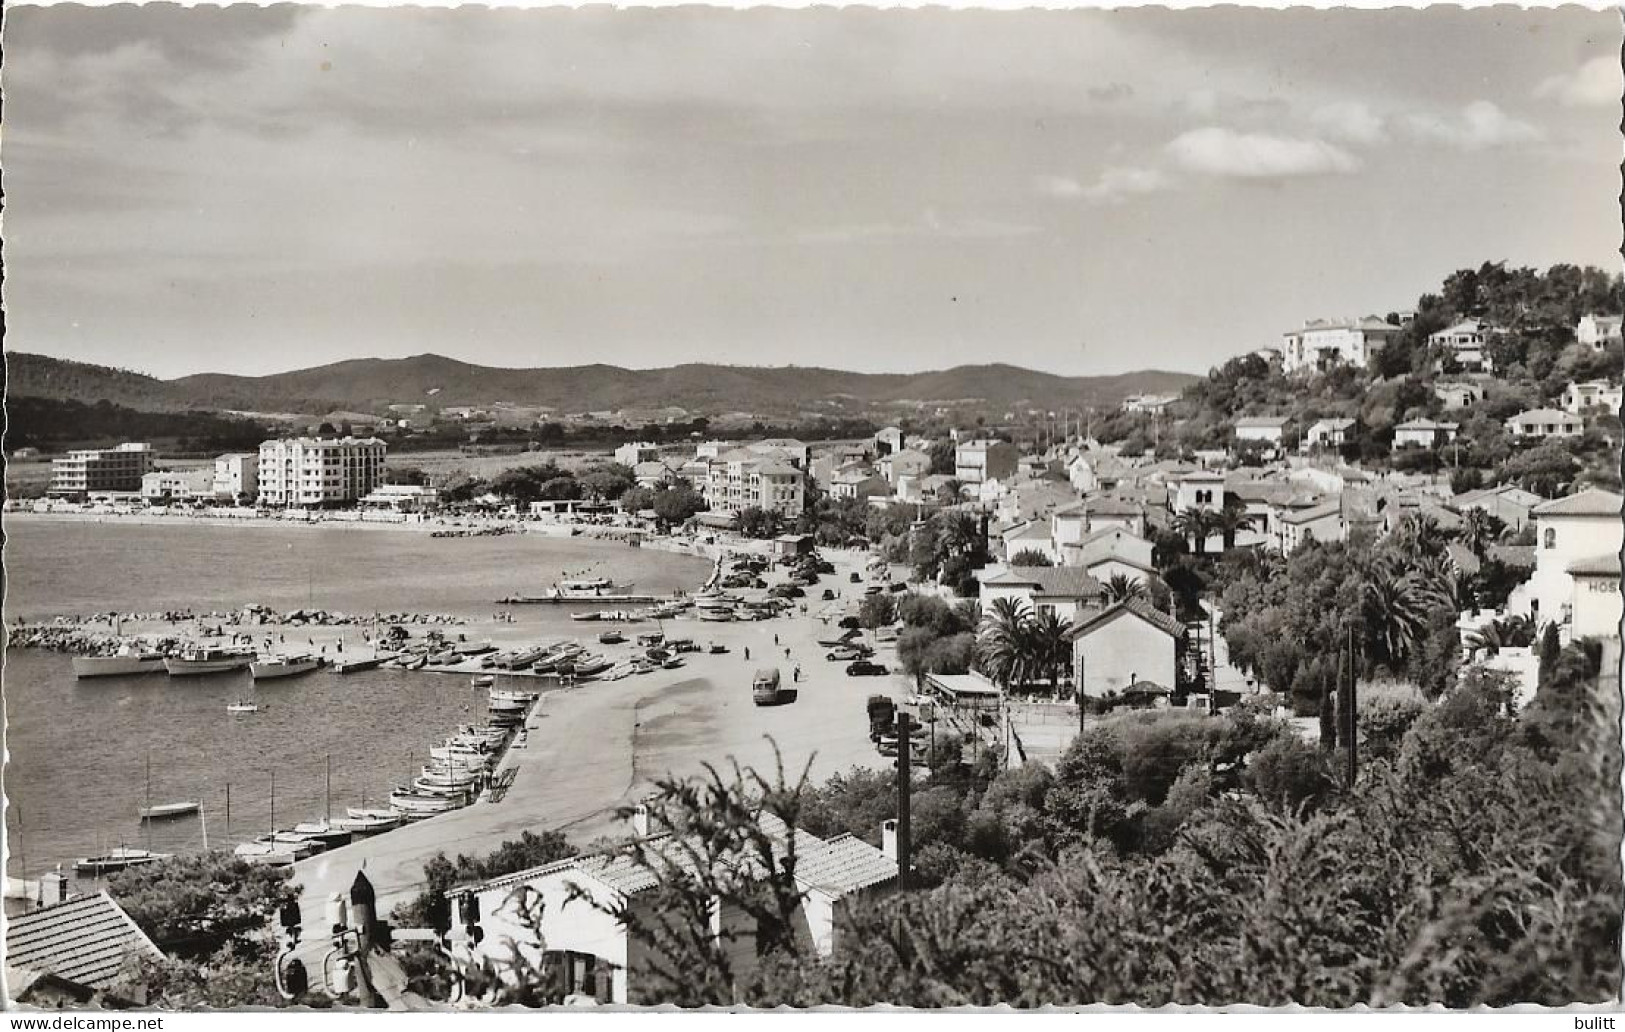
313 472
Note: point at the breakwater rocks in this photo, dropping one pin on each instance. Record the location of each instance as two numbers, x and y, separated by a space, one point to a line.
86 635
497 531
78 641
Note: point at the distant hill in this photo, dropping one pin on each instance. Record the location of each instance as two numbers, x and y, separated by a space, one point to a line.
367 383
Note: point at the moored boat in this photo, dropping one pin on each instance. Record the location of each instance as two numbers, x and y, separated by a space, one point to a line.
267 667
208 660
358 826
265 853
117 860
168 811
242 707
483 680
323 831
127 660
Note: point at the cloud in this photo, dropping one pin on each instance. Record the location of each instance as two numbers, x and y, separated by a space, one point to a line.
1350 120
1594 84
1058 186
1480 126
1111 92
1115 184
1217 151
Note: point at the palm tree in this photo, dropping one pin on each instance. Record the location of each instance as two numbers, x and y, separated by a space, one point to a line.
1049 641
1513 632
1480 529
1397 604
1232 520
1121 588
1418 536
1197 525
999 647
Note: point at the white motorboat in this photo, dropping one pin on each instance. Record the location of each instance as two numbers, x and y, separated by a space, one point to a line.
267 667
299 845
483 680
363 814
509 695
208 660
416 805
242 707
359 826
423 786
117 860
168 811
586 588
129 659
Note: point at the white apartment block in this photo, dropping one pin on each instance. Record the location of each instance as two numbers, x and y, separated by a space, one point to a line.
634 452
744 479
237 476
79 474
316 471
1321 344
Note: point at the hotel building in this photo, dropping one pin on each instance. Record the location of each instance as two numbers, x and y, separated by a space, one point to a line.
316 472
80 474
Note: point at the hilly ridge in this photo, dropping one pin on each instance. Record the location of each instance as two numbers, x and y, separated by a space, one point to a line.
370 382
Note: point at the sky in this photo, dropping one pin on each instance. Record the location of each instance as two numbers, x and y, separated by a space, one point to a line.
250 190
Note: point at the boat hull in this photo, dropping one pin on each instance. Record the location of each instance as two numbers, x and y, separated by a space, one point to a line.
169 811
116 666
180 667
268 671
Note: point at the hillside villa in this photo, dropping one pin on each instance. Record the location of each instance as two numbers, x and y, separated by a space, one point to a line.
1321 344
1598 331
1592 394
1544 422
1462 344
1423 433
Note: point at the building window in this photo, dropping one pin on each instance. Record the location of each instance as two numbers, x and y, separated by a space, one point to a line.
1549 539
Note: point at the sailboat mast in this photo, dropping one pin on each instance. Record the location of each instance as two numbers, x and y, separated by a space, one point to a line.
273 802
147 816
329 788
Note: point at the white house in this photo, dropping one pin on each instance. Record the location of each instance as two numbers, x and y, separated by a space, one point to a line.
1579 397
1128 644
568 913
1029 536
976 462
1598 331
1545 422
1261 428
1423 433
1580 530
888 441
1104 568
1508 502
1326 433
634 452
1458 394
1066 590
905 462
1109 542
1464 343
1323 522
1203 489
1152 404
859 484
237 475
177 485
1321 344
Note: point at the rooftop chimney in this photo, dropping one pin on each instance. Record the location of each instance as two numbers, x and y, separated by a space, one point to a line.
888 838
640 820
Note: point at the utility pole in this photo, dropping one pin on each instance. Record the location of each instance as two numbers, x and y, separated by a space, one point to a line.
905 747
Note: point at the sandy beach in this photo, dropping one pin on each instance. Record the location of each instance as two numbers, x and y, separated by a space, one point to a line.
598 746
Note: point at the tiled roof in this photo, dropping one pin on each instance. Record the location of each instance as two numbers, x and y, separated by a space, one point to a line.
1262 421
1314 512
1136 606
1113 507
84 940
1462 557
1605 565
841 865
1070 581
1425 424
1590 502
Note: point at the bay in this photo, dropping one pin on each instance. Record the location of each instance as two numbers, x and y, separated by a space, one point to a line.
76 776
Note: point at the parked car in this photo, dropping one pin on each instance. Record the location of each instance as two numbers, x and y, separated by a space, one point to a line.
848 653
717 648
855 579
682 645
864 668
828 596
